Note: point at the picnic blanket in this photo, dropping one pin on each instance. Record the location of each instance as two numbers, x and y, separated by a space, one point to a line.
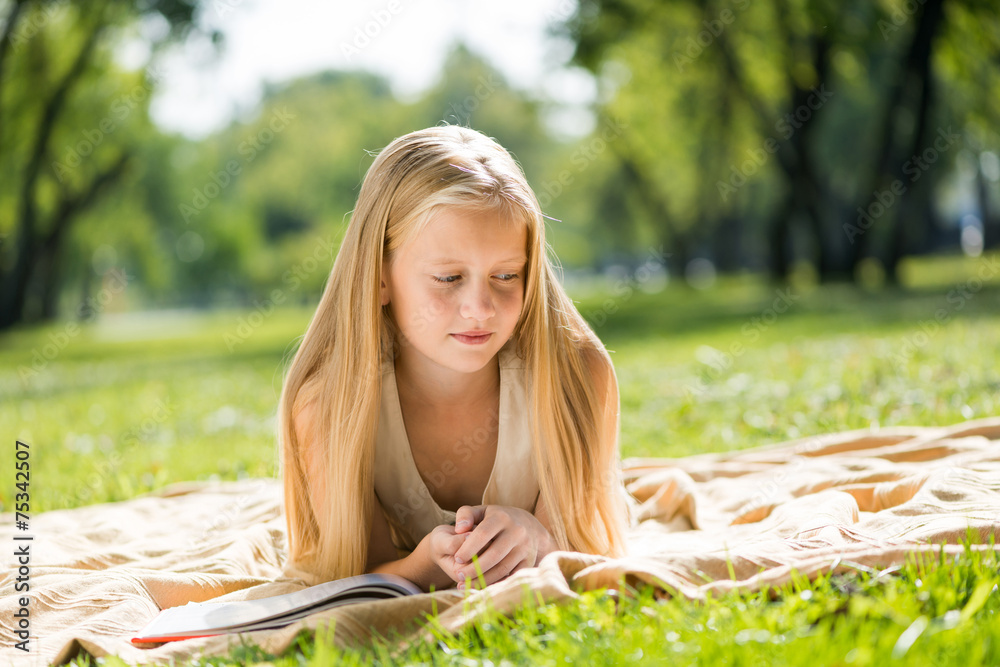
708 523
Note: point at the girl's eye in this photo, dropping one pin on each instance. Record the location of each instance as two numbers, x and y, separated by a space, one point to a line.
504 277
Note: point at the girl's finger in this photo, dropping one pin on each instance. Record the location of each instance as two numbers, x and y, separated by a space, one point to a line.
497 550
503 569
477 541
455 543
468 517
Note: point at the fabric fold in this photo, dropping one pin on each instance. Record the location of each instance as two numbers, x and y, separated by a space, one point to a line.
708 524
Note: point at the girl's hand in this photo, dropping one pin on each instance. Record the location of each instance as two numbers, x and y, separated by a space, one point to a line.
443 543
507 539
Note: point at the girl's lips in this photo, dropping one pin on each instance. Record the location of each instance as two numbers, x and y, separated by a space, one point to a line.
472 340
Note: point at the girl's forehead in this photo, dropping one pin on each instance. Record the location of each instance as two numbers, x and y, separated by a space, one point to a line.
469 215
456 237
459 226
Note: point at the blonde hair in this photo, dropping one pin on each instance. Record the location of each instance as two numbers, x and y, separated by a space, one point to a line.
339 360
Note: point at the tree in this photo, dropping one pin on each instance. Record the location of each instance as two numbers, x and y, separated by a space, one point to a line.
813 105
57 161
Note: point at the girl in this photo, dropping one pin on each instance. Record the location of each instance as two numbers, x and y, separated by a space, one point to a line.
447 399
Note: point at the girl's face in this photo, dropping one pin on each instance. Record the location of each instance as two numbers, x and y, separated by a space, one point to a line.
463 272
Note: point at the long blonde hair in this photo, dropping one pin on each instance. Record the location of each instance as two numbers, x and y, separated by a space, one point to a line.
339 360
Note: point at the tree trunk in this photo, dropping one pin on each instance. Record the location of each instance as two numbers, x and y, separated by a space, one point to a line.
51 280
922 76
726 244
16 282
84 312
651 199
778 238
915 79
990 218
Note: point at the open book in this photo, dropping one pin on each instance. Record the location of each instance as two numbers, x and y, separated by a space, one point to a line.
203 619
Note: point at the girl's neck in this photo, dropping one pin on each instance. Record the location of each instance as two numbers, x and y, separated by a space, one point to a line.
424 383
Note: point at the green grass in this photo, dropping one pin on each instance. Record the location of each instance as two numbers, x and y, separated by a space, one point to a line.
929 611
126 406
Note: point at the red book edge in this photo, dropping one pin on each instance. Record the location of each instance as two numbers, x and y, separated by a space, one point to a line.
161 640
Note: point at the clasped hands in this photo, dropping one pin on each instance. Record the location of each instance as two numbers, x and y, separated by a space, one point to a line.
506 540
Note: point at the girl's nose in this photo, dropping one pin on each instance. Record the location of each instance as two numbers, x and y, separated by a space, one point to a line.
477 302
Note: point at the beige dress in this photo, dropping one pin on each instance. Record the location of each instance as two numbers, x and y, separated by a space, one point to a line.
406 500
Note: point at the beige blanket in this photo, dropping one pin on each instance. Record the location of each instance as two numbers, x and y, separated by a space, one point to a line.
841 502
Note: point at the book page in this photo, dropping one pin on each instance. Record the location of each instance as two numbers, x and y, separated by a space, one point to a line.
207 617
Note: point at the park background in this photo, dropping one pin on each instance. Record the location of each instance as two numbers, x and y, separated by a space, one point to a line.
781 216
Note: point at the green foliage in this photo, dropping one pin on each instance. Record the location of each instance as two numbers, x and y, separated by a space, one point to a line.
73 119
256 207
272 192
687 93
758 128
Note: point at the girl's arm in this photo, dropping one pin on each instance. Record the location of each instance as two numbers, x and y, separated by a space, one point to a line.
426 565
419 566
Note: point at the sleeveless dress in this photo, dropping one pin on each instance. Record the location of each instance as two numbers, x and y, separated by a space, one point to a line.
406 500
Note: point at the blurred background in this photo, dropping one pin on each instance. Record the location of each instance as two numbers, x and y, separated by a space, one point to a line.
176 176
203 149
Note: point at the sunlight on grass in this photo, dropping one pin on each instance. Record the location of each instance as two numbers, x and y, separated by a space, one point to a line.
110 415
930 611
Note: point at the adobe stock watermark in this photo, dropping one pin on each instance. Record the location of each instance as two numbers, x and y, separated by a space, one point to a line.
581 158
226 516
486 85
914 168
956 299
116 281
121 108
363 35
625 287
776 481
695 46
224 7
898 17
251 146
463 450
292 280
720 361
563 10
34 21
86 488
786 126
425 317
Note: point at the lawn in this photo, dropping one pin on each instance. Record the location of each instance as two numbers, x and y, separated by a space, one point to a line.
129 404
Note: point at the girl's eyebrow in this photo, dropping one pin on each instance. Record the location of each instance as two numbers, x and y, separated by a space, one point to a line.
445 260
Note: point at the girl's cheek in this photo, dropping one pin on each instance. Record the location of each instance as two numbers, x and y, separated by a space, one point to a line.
510 301
431 307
